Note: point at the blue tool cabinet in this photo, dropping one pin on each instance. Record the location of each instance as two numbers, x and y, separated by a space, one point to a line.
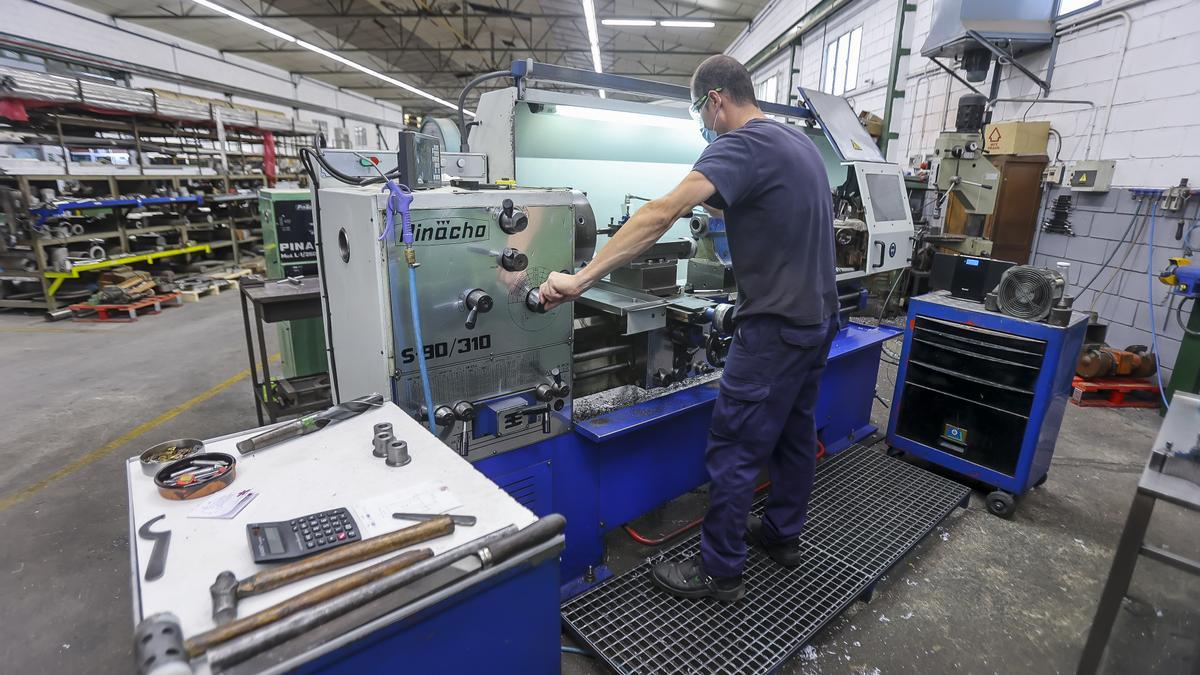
983 393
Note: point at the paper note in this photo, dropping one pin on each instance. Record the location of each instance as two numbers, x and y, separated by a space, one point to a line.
226 504
375 515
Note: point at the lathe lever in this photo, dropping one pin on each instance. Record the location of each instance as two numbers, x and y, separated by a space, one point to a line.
477 301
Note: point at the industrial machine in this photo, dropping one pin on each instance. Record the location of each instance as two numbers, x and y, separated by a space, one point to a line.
982 393
499 368
289 247
598 410
961 170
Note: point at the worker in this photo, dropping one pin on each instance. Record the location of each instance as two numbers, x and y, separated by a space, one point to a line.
769 181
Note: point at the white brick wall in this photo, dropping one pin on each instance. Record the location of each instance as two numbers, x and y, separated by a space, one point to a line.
50 20
1153 131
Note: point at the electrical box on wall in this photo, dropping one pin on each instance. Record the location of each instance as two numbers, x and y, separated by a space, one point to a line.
1053 174
1092 175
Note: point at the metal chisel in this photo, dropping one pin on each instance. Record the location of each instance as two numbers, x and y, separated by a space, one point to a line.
465 521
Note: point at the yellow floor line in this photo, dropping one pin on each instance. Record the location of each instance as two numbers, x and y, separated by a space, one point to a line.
99 453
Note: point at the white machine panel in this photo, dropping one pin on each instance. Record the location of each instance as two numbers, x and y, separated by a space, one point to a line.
889 221
357 163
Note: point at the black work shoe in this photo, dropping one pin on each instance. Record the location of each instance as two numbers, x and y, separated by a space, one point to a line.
687 579
786 553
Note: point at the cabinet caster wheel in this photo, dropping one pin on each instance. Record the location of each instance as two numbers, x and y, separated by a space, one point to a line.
893 452
1001 503
1042 481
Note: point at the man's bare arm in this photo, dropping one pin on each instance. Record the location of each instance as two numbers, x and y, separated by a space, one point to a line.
646 226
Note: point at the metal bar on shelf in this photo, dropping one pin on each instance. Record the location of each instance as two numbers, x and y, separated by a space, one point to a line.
602 351
126 260
596 372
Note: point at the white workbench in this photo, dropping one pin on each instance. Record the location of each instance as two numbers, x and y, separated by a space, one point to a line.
327 469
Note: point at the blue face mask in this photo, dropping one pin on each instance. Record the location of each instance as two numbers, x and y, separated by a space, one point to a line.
708 134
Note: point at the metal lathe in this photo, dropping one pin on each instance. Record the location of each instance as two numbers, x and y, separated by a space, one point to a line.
597 410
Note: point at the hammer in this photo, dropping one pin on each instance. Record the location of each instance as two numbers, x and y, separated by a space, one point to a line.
227 589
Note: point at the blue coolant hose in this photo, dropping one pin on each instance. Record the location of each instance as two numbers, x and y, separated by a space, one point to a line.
416 318
1150 298
399 199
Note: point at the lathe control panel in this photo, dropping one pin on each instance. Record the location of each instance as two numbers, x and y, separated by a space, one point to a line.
499 366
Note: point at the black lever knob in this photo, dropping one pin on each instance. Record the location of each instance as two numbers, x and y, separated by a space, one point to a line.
513 260
560 388
464 411
443 416
533 301
512 220
478 302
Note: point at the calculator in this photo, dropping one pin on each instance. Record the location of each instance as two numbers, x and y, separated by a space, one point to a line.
300 537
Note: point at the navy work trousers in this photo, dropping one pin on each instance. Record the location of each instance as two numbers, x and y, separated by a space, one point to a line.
763 414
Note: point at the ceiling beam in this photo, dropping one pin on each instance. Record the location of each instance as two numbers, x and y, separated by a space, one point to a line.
402 73
471 50
520 16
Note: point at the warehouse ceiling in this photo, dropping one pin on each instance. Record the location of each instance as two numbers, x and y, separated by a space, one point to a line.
438 45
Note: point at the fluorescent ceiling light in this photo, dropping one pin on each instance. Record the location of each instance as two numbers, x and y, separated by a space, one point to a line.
328 54
687 24
589 17
621 116
629 22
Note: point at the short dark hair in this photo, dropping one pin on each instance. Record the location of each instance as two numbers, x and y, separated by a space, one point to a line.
727 74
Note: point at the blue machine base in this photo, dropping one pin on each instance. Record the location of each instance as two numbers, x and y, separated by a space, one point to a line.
614 468
510 623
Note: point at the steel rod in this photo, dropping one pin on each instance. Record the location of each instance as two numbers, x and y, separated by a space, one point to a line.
602 351
601 371
248 645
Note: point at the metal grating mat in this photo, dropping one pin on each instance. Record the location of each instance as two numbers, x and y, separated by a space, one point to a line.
867 511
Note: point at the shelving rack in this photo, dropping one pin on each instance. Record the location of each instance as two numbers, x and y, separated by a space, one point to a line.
109 151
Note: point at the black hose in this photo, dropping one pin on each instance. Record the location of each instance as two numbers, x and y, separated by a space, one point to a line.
322 272
1104 265
462 104
313 155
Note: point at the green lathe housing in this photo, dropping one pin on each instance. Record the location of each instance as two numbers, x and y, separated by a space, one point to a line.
290 250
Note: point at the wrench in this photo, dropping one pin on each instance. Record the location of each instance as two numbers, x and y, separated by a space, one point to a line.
158 556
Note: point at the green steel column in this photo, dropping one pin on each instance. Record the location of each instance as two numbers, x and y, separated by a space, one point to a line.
1186 374
903 7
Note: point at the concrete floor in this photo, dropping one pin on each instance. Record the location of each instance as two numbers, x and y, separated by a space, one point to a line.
982 595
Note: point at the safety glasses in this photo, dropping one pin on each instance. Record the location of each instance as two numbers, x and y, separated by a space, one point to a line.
698 104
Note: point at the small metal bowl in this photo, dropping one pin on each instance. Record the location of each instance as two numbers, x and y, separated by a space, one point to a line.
194 489
185 447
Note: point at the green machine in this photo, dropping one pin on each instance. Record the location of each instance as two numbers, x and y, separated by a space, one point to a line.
290 250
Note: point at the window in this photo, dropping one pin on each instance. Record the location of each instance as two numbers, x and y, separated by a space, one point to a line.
767 90
1066 7
840 74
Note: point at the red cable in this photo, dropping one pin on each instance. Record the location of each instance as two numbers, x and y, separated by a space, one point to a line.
646 541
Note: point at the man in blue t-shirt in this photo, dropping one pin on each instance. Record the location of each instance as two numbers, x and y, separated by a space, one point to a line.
769 180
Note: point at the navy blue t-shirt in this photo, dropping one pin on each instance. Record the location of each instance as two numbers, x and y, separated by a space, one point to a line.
772 185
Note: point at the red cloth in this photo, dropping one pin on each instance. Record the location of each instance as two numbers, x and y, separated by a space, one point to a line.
269 156
13 109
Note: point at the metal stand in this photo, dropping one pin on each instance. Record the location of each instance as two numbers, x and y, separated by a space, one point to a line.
276 301
1153 486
